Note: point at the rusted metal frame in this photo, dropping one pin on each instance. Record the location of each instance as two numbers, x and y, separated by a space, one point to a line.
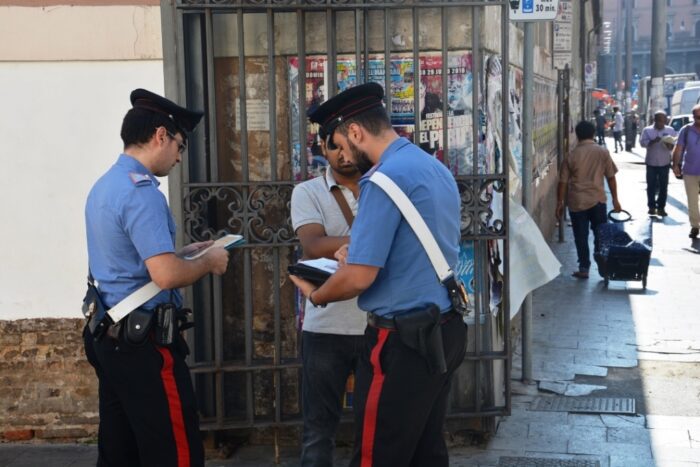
247 260
445 107
505 106
216 295
359 66
415 4
387 62
479 269
301 52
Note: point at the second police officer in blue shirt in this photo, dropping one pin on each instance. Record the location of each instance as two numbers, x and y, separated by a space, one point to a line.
400 403
147 407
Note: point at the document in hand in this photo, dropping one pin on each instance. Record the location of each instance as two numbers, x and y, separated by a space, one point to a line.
316 271
227 241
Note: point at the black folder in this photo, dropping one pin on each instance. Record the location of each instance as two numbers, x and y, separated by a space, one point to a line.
310 273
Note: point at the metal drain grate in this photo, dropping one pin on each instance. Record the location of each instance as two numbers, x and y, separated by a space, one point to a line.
616 405
544 462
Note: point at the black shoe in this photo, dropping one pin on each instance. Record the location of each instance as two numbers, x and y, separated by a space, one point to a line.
694 232
652 212
661 212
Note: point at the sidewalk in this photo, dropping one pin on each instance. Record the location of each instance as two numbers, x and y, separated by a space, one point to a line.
619 342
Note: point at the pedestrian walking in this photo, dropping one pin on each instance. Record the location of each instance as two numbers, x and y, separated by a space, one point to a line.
401 391
686 164
618 126
657 139
332 338
147 407
582 172
630 131
599 127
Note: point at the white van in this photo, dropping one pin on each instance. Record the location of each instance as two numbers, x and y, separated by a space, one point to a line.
684 100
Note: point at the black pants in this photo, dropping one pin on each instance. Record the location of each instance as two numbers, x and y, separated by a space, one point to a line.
148 413
657 180
327 361
582 222
400 407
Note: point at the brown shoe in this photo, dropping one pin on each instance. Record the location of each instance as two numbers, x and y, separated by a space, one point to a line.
580 274
694 232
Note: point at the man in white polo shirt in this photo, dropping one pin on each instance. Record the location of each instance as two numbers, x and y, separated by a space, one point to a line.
333 335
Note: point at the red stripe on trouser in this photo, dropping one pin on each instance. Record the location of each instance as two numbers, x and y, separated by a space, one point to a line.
369 425
175 407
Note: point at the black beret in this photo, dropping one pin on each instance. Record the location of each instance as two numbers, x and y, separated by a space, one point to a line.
183 118
347 104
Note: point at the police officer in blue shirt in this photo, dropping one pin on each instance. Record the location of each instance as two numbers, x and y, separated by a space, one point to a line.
148 413
400 397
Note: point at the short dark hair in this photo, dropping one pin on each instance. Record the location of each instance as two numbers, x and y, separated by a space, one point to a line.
139 125
585 130
374 121
616 108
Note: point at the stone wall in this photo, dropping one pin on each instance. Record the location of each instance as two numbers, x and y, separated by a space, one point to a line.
49 390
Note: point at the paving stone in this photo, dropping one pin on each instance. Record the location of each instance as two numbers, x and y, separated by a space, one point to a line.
623 449
569 432
674 453
541 445
626 461
591 420
673 422
510 429
631 435
612 421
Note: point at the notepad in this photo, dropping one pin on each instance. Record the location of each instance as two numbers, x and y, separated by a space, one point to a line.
316 271
227 241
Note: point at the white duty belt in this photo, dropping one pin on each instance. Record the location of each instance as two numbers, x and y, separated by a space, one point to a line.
133 301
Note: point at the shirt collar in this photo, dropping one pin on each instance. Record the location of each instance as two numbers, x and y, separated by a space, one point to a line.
330 179
395 145
133 165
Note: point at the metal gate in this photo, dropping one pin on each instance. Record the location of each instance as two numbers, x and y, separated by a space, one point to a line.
256 68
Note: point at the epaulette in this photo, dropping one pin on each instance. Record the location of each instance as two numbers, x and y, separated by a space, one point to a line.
140 179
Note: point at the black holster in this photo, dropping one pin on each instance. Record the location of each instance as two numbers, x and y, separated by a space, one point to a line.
138 325
98 320
420 330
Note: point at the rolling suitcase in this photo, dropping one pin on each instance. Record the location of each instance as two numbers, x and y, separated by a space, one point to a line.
624 249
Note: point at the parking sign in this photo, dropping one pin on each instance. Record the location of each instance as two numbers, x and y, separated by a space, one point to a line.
533 10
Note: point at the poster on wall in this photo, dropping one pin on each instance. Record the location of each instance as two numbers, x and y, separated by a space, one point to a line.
544 128
515 135
459 109
316 91
402 86
493 72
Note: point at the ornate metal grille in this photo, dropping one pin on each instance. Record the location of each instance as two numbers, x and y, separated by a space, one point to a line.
249 65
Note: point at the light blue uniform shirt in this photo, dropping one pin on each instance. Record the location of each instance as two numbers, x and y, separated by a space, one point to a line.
381 237
127 221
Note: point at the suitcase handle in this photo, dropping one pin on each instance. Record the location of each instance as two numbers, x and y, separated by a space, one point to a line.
612 214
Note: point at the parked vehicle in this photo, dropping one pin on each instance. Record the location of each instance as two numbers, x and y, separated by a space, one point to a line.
672 83
679 121
684 100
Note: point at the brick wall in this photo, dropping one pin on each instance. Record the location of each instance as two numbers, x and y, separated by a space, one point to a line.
49 390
